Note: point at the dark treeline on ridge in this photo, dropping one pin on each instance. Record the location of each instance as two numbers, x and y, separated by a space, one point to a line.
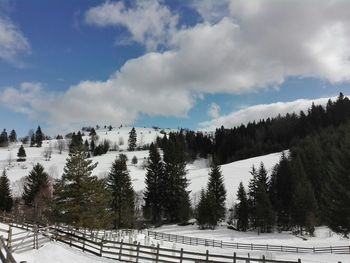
265 136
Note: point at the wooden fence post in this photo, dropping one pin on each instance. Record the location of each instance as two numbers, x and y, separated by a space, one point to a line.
234 257
157 255
120 249
137 252
9 238
263 258
207 256
101 246
299 260
181 254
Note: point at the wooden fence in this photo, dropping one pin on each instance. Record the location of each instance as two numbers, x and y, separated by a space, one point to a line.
5 253
135 252
194 241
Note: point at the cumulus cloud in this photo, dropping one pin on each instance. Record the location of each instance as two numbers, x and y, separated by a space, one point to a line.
255 46
214 111
261 111
211 10
12 41
148 22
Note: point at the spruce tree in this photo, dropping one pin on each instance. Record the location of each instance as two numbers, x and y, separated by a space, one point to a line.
132 140
242 209
216 193
21 154
79 197
122 194
39 137
281 192
154 186
176 201
32 140
204 212
304 204
36 190
6 201
4 141
13 136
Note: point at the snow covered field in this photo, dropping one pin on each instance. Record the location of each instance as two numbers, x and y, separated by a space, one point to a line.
234 173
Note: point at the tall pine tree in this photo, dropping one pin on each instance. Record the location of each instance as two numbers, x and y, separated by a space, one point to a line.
154 186
79 198
6 201
122 194
132 140
242 209
39 137
216 193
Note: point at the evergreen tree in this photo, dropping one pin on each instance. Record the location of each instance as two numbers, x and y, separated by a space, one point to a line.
86 145
36 190
303 200
79 198
242 209
132 140
204 212
13 136
176 200
281 192
39 137
32 140
92 146
216 193
154 186
134 160
122 194
21 154
6 201
4 141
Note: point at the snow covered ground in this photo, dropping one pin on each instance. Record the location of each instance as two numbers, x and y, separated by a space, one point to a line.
234 172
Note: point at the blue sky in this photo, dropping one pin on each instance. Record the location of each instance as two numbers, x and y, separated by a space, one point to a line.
192 64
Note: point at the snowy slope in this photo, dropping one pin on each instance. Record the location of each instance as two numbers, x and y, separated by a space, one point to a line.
234 172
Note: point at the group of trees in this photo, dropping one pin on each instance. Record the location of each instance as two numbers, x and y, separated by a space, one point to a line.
309 186
6 139
36 139
265 136
166 196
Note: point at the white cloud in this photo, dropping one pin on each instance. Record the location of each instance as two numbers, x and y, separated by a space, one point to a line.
12 41
259 112
257 46
211 10
148 22
214 110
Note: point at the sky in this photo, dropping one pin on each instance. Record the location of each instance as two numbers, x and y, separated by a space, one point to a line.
195 64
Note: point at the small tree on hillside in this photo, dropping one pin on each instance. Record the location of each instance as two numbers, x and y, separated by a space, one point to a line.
4 139
134 160
39 137
21 154
6 201
13 136
132 140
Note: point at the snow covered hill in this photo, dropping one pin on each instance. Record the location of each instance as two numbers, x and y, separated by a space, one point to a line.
234 172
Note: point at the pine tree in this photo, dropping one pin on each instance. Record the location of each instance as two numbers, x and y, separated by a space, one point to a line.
132 140
39 137
154 186
6 201
36 190
304 204
79 198
242 209
134 160
216 193
32 140
204 212
21 154
176 200
281 192
122 194
4 141
13 136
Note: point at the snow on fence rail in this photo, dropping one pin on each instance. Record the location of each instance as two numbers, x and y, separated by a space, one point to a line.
135 252
194 241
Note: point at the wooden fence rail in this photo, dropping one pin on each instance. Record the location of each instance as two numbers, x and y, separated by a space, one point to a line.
5 253
135 252
194 241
